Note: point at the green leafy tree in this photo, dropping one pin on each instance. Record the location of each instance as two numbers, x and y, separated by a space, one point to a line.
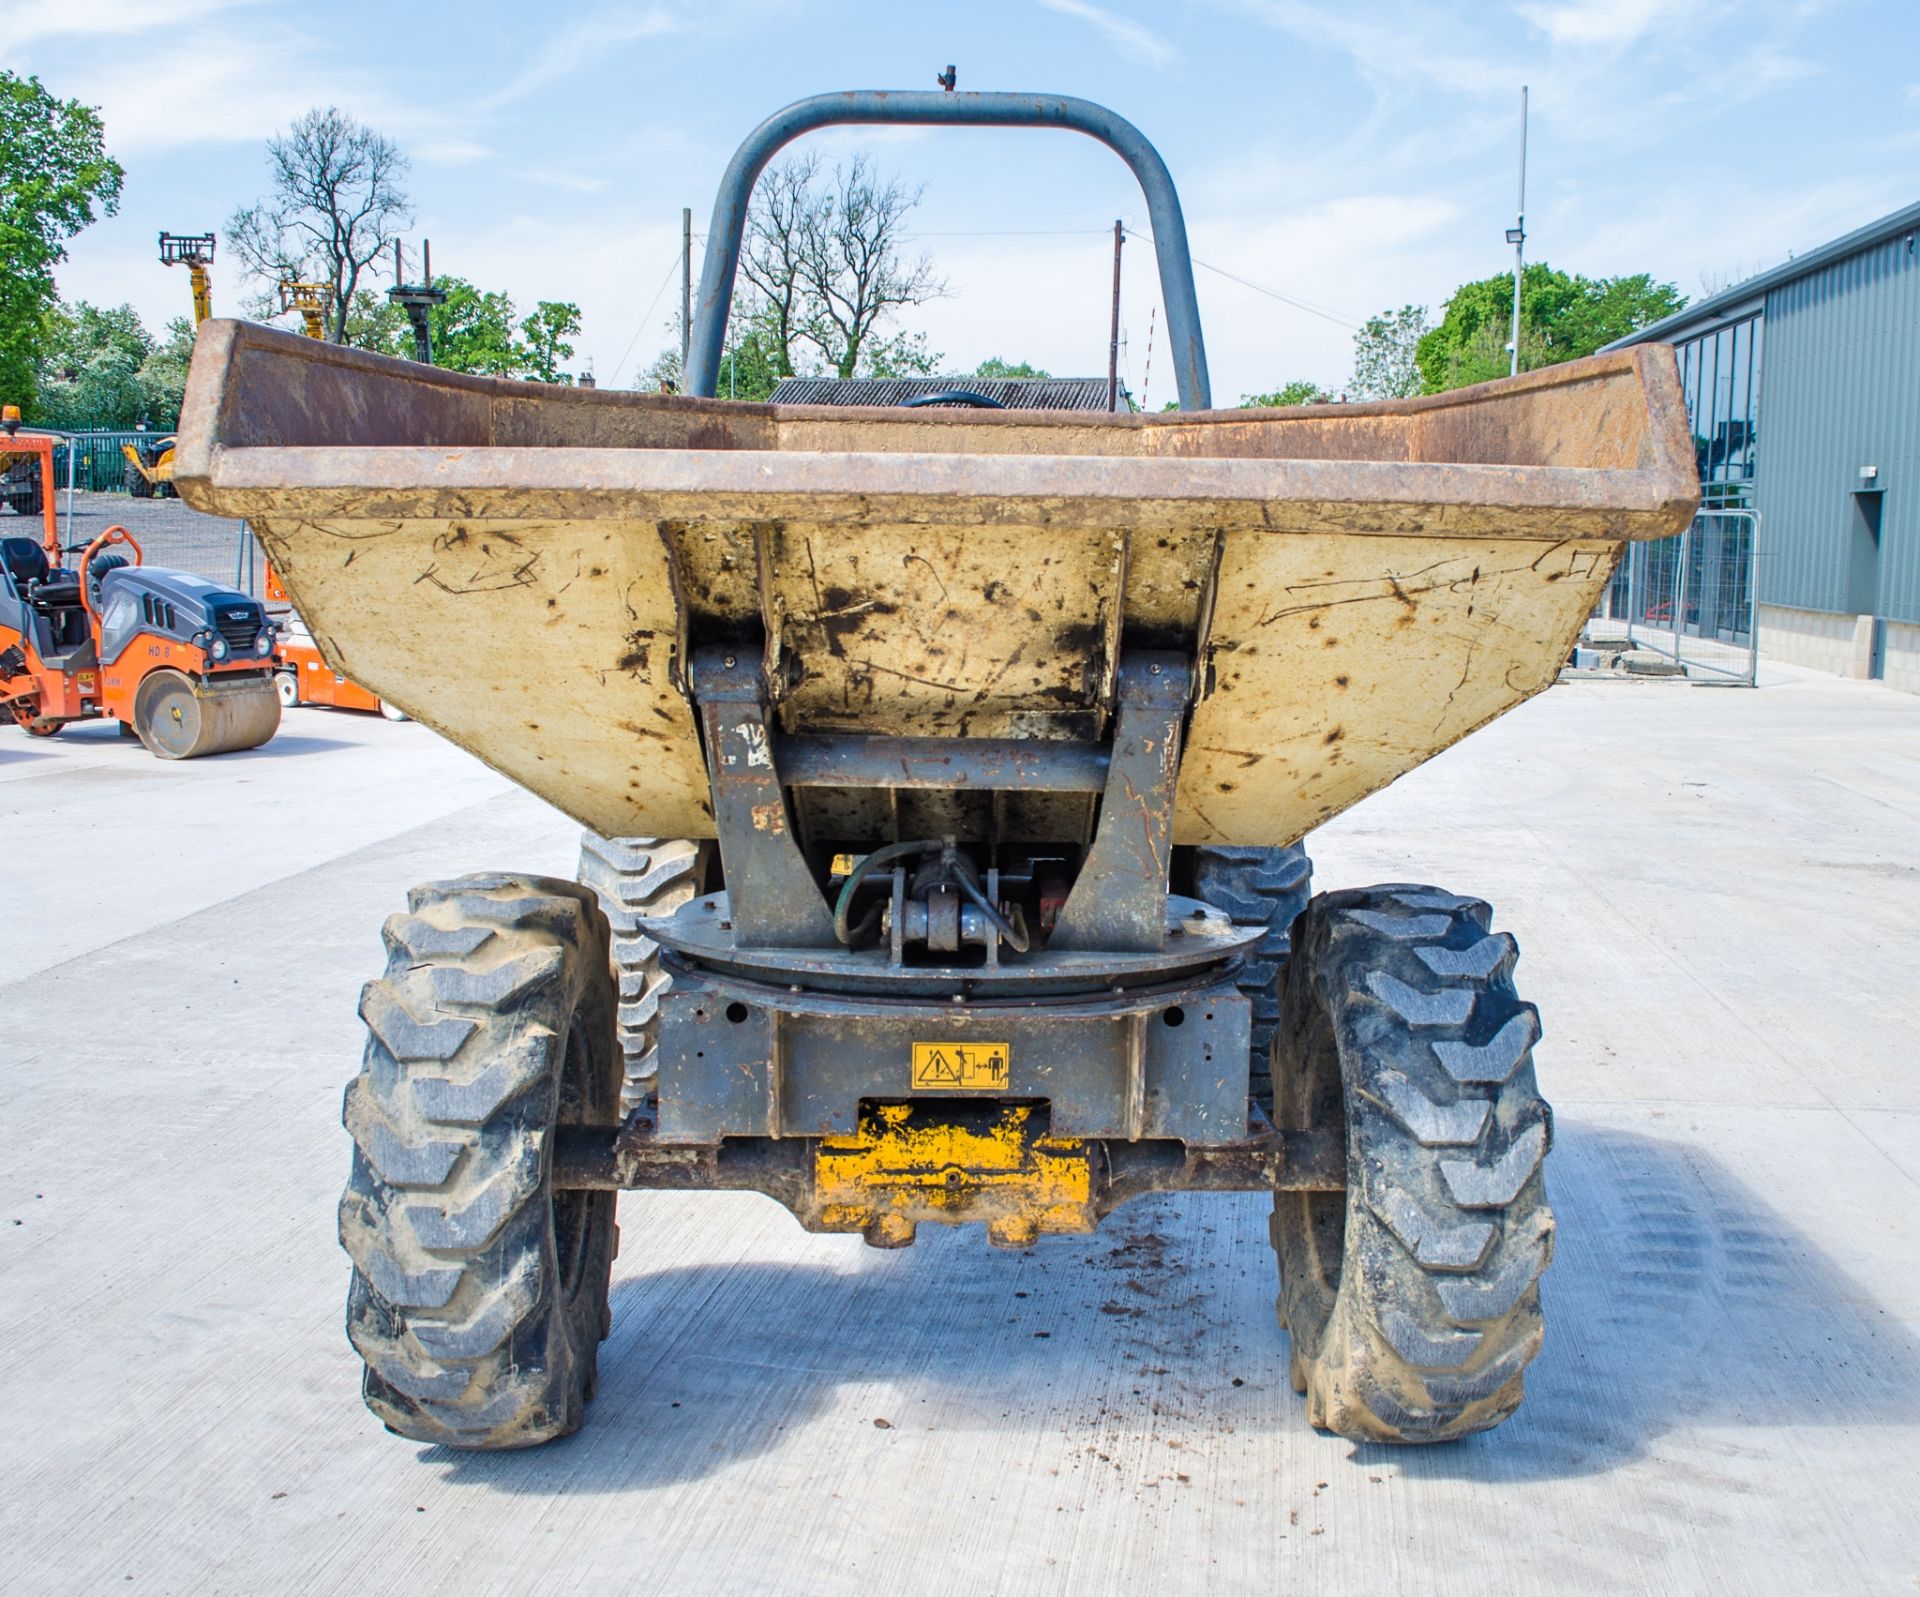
751 360
374 322
163 374
101 368
994 369
1301 391
1562 317
55 178
750 366
473 330
1385 363
547 330
898 355
82 333
1611 308
89 373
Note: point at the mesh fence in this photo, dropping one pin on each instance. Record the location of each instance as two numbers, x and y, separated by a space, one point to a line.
99 466
1690 597
173 535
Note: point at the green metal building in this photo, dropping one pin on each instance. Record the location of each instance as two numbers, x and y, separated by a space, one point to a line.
1804 388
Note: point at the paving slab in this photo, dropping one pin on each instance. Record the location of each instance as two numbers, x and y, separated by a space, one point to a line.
1713 892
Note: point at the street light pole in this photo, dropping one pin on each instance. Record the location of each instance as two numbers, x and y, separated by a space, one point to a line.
1517 236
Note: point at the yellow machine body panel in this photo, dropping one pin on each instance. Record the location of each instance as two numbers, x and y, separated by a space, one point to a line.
524 567
910 1165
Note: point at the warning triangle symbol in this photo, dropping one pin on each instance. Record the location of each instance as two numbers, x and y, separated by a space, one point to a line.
941 1069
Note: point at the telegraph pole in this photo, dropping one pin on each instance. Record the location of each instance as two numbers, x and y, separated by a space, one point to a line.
1113 341
686 291
1517 235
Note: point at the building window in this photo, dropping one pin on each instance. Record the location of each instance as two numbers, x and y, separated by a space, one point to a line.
1720 372
1701 582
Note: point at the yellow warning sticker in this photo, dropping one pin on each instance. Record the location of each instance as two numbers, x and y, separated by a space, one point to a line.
960 1066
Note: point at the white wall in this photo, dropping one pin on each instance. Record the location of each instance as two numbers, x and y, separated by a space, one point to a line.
1841 644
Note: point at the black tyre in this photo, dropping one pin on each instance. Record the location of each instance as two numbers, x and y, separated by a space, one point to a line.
137 483
635 877
1258 887
479 1293
1412 1299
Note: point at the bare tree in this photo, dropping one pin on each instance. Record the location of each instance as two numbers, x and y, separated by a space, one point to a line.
854 271
336 205
772 257
1717 280
824 259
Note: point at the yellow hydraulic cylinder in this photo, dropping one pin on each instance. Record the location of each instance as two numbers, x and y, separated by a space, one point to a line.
202 292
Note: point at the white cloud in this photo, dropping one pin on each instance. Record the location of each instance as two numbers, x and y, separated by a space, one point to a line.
555 178
1756 222
247 88
579 42
449 151
1045 299
1125 35
1426 43
30 24
1605 24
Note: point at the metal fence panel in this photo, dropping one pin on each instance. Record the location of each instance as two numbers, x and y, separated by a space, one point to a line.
171 534
99 466
1691 597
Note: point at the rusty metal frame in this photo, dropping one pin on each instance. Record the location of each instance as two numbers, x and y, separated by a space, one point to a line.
1164 1059
1119 899
785 908
631 1159
944 764
883 106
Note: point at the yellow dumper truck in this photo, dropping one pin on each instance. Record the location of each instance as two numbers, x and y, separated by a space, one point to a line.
953 762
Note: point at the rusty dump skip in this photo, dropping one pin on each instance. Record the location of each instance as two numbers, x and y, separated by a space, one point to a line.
525 568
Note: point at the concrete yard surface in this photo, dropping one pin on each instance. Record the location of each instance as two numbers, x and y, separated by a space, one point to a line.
1717 897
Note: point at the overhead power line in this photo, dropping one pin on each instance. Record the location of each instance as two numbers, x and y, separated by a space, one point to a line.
1285 298
1294 300
672 266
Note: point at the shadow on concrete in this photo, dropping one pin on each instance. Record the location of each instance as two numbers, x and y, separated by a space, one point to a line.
103 733
282 744
1678 1298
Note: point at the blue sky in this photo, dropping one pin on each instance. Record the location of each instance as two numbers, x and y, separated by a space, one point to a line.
1350 155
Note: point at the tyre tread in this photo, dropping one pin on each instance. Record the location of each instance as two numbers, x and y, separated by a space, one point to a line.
455 1305
635 879
1436 1311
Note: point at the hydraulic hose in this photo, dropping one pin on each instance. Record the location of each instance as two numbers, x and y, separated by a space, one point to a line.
860 872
